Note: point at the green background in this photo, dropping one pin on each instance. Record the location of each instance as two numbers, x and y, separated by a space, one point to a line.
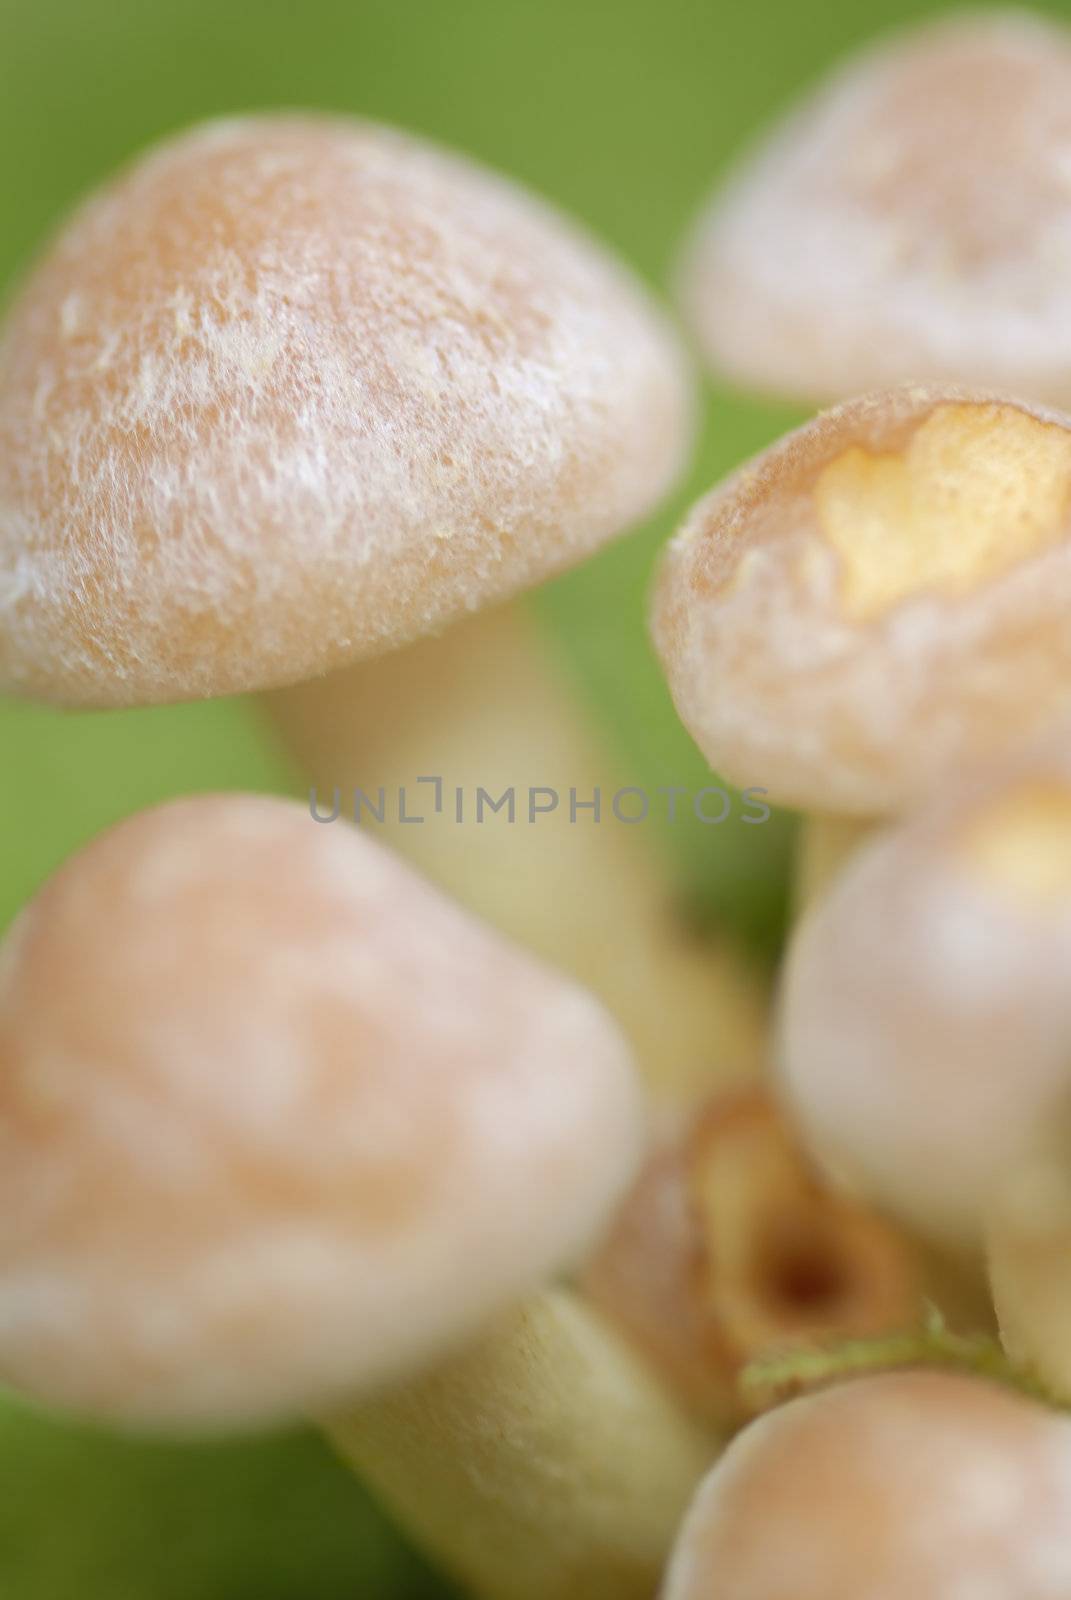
624 112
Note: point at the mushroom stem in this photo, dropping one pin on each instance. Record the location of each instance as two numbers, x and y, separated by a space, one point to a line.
1028 1245
482 712
543 1463
826 845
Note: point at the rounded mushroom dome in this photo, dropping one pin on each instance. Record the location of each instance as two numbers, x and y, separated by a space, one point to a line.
278 1122
925 1018
920 1484
878 602
291 391
911 219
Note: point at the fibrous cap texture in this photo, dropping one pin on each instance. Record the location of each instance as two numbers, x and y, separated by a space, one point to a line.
291 391
878 602
910 220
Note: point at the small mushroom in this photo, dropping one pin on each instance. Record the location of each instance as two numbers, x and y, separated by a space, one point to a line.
293 394
876 604
910 219
282 1131
730 1248
925 1022
906 1486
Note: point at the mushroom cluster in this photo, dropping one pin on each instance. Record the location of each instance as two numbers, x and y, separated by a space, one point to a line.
446 1130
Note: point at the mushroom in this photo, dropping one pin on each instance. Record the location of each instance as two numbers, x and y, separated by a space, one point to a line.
282 1130
875 604
296 393
925 1020
910 219
920 1484
729 1248
482 719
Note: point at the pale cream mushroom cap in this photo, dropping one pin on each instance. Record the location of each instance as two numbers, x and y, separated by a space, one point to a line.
907 1486
291 391
925 1019
911 219
878 601
278 1122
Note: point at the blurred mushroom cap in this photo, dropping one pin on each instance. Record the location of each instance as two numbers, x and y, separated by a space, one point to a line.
278 1123
920 1484
910 220
291 391
925 1018
728 1248
878 602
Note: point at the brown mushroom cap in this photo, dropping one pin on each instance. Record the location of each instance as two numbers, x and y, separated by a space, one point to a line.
728 1247
292 391
907 1486
910 220
925 1027
278 1122
877 602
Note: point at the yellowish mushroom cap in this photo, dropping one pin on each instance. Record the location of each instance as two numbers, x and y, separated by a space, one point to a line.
907 1486
278 1123
925 1027
877 602
291 391
911 219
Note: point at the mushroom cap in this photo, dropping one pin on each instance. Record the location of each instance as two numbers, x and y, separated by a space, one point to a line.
920 1484
878 601
728 1247
292 391
910 220
925 1018
278 1123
